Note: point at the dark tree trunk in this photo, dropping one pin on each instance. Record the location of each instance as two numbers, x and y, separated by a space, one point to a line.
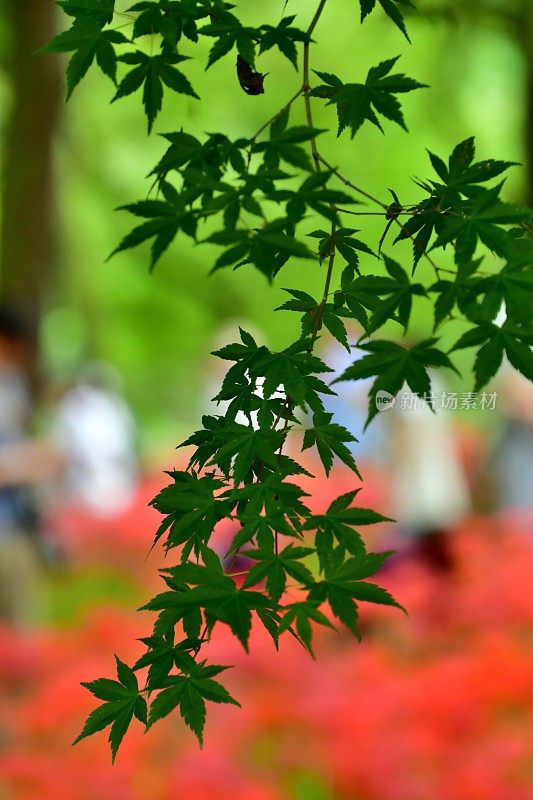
524 32
28 228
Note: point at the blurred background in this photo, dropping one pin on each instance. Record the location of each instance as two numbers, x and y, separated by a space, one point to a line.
104 368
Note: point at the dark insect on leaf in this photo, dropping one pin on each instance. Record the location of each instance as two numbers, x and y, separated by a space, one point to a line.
250 80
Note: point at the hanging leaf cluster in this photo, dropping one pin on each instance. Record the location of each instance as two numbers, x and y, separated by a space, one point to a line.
264 199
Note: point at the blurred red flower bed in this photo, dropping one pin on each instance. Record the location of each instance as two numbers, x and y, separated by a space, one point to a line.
437 705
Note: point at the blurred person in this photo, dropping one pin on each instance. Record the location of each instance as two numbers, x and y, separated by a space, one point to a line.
429 491
94 433
21 465
511 460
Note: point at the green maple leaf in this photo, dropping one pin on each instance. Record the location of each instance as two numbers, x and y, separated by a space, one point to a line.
301 301
461 291
344 243
245 447
445 209
330 315
247 356
329 438
180 17
90 43
512 286
152 73
240 383
98 12
343 588
274 567
283 145
267 248
399 289
191 508
122 703
272 497
230 33
348 246
168 19
513 340
313 193
189 693
263 528
283 37
163 655
338 524
360 102
460 175
390 7
294 368
235 609
301 614
394 365
215 592
164 220
207 160
480 220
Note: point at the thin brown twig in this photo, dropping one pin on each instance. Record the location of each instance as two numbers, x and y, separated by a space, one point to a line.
316 160
352 185
314 152
358 189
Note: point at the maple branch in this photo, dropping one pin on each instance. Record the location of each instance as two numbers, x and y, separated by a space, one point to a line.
304 88
306 85
316 160
352 185
358 189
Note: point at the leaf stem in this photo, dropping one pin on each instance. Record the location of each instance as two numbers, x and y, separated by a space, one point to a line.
351 184
316 160
305 89
371 197
306 85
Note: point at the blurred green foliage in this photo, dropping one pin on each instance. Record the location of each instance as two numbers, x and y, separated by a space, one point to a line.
157 329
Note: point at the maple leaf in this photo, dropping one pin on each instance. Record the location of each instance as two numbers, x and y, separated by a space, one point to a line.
301 614
191 508
393 365
284 37
480 220
390 7
97 12
338 524
230 33
460 291
360 102
274 567
163 221
152 72
342 587
399 292
90 43
170 19
329 438
513 340
445 211
190 692
122 702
